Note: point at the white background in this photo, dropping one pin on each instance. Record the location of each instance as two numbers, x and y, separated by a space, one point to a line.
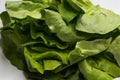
9 72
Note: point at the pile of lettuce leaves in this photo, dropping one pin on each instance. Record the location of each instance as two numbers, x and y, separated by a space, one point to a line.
62 39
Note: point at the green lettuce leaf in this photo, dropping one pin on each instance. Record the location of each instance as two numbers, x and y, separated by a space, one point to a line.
84 49
34 63
23 9
51 54
61 39
114 49
80 4
103 64
91 73
92 21
56 24
5 18
12 51
51 64
67 12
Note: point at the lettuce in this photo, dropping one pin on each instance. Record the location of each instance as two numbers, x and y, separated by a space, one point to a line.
61 39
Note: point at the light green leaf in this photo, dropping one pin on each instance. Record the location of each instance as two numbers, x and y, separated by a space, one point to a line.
80 4
98 20
54 21
51 64
85 49
22 9
66 33
69 34
115 49
91 73
51 54
33 62
103 64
